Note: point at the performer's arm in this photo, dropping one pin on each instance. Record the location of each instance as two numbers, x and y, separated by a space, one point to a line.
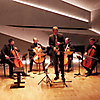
3 52
51 43
63 40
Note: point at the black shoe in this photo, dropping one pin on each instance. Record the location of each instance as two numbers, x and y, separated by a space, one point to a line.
24 74
88 74
29 71
12 77
56 78
67 70
43 69
63 79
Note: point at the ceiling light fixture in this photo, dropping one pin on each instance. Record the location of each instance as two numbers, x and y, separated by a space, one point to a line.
51 10
94 31
74 4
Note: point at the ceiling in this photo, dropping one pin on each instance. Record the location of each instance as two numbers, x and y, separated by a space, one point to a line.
23 22
72 26
89 5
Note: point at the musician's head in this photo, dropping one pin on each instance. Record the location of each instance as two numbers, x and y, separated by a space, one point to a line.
35 40
67 40
92 41
55 30
11 41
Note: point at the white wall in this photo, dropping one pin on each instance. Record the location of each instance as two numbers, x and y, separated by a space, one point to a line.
25 34
95 19
19 14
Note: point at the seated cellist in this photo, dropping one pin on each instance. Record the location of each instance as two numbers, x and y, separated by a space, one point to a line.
32 52
6 56
93 50
69 46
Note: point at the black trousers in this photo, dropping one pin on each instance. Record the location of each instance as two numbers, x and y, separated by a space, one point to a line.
61 65
92 68
69 64
31 64
11 65
70 57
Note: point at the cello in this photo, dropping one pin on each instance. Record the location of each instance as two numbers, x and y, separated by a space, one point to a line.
38 57
66 53
16 59
88 62
66 60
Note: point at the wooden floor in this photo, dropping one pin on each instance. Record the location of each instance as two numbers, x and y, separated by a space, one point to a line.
78 88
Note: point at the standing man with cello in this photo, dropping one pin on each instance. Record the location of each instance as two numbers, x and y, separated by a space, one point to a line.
6 56
56 41
92 55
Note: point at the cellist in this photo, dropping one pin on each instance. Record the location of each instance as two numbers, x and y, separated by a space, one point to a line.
32 52
6 56
95 48
69 46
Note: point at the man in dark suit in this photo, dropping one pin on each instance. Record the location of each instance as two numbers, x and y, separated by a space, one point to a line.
32 52
69 47
56 41
6 54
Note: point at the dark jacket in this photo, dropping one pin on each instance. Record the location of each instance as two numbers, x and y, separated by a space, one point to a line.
6 50
60 39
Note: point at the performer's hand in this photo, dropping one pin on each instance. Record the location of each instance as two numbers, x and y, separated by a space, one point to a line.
34 51
68 49
85 54
58 43
7 57
94 46
54 48
15 48
39 46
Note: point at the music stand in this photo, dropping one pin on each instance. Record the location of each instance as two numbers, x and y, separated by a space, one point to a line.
79 58
39 64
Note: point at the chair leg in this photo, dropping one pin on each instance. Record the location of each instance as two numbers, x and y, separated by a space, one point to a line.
4 70
18 79
96 70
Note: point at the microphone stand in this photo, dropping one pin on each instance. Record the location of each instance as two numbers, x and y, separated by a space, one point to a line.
48 80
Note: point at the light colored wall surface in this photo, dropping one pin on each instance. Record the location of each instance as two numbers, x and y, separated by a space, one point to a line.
19 14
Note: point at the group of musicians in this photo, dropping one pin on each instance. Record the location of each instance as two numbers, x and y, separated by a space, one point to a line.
59 46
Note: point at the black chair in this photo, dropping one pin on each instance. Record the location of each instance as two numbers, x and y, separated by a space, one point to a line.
18 71
3 64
